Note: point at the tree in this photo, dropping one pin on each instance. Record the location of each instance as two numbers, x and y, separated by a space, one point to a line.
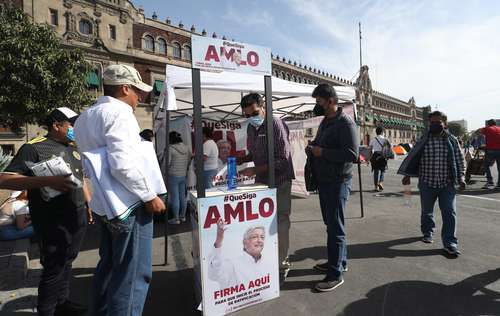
456 129
36 73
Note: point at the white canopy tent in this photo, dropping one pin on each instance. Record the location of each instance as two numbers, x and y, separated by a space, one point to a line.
222 92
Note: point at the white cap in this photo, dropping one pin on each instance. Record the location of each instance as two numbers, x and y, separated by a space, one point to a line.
116 75
64 114
15 194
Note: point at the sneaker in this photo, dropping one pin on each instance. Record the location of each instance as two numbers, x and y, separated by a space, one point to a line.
183 219
70 308
380 187
174 221
488 185
328 285
452 250
427 239
323 267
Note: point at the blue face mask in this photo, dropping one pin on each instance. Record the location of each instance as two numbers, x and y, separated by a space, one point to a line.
256 121
70 134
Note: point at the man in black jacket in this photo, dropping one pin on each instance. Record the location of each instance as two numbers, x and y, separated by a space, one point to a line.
333 152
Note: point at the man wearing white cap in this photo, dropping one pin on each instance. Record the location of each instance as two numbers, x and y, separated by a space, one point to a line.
59 219
124 271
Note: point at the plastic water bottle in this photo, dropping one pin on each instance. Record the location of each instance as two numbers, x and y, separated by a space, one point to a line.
407 194
231 173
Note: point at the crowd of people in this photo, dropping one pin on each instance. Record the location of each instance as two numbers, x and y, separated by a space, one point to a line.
124 272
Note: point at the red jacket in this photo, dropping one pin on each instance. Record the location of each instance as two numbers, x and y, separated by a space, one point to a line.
492 135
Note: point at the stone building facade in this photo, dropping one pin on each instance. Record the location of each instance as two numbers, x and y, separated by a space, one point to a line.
116 31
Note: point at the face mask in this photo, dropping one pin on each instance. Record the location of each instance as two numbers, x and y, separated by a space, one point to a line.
318 110
70 134
256 121
435 128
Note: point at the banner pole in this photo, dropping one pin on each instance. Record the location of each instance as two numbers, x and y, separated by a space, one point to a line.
269 131
165 162
360 190
198 135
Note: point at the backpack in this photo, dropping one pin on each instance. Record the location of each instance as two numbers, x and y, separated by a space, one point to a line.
387 152
378 161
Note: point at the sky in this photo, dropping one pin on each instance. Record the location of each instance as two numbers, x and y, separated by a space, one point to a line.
443 53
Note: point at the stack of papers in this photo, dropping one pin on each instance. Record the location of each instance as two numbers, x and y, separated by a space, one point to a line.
53 167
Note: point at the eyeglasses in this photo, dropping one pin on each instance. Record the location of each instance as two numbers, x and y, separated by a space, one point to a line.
255 113
136 90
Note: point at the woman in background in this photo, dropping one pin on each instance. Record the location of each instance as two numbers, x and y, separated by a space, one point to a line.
16 206
178 162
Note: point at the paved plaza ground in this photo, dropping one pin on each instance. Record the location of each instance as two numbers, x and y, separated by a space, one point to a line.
390 271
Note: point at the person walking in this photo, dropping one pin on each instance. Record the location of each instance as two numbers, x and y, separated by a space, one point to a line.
178 162
438 162
492 137
379 146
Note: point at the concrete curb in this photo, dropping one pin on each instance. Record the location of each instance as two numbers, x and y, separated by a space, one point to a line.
14 262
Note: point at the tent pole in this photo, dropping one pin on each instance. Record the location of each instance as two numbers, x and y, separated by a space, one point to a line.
165 162
360 190
198 136
269 131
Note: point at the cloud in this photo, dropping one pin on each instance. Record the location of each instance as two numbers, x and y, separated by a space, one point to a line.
440 52
249 17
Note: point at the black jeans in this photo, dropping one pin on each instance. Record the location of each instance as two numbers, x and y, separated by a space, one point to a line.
60 235
490 158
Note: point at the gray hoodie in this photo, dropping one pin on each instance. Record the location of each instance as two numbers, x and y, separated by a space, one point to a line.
179 158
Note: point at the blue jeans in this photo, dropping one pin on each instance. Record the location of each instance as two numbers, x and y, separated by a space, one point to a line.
209 177
491 157
447 204
333 197
378 176
177 196
10 232
123 274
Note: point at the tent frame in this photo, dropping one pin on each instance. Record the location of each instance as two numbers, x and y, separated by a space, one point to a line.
232 115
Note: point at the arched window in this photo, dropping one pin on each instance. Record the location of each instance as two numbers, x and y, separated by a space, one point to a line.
294 78
282 75
85 27
276 73
162 46
186 52
288 77
177 50
149 43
